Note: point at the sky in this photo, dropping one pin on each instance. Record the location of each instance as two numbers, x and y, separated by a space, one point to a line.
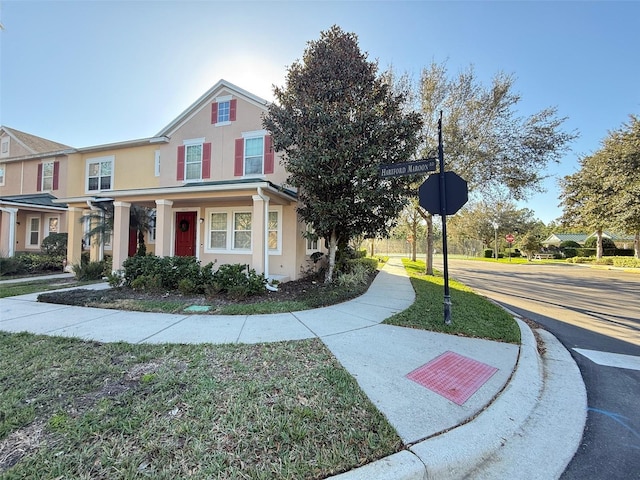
91 72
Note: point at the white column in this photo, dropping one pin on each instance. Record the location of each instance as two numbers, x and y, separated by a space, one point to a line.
120 233
163 227
8 242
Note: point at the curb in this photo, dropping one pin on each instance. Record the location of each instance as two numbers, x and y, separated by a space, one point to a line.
542 392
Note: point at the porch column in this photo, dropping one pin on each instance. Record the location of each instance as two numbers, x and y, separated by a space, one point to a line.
8 229
259 232
120 241
96 243
75 232
164 224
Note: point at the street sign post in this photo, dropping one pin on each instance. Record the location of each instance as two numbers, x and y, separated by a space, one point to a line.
418 167
509 238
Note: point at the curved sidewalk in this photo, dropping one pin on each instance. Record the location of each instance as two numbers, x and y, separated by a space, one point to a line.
445 438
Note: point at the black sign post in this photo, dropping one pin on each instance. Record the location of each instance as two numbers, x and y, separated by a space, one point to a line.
443 194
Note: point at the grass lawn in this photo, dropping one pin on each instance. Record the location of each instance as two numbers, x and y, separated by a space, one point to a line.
472 315
12 289
85 410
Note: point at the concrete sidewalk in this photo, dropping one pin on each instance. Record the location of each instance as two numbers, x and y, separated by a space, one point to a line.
498 423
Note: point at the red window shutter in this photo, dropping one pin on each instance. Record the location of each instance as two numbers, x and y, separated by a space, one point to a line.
56 174
206 160
39 186
214 113
268 155
238 167
232 110
180 175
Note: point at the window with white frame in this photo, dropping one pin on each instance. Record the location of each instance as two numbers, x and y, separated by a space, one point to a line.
51 225
5 147
218 230
33 232
312 241
224 110
253 155
242 231
2 167
99 174
274 236
47 176
193 161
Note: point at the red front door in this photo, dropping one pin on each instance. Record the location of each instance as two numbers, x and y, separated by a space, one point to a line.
185 234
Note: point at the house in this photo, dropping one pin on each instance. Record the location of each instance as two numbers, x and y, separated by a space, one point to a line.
32 170
555 239
211 178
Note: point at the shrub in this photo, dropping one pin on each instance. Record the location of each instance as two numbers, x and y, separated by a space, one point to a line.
370 264
55 244
238 280
626 262
359 275
37 262
10 266
591 242
488 253
569 244
570 252
90 271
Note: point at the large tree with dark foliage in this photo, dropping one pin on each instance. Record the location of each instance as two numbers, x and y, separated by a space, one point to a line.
337 120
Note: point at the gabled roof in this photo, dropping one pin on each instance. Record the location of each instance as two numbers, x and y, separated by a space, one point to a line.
565 237
32 200
204 102
33 143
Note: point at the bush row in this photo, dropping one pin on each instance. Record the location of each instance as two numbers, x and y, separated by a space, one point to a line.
625 262
187 275
30 263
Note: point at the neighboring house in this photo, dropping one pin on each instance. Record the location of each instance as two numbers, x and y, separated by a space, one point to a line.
555 239
214 181
32 170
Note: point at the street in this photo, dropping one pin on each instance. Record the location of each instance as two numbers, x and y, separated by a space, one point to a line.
595 313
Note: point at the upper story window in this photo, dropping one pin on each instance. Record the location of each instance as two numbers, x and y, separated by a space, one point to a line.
253 154
47 176
194 160
99 174
4 149
2 167
223 110
48 173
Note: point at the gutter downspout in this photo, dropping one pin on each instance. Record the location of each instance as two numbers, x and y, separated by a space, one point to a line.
12 229
265 199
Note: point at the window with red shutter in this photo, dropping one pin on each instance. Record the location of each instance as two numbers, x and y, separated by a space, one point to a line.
268 155
39 179
180 175
238 167
206 160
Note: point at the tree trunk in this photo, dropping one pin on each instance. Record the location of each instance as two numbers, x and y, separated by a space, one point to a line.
429 254
414 244
333 244
599 243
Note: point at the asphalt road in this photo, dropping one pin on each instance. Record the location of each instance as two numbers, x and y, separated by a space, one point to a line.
595 313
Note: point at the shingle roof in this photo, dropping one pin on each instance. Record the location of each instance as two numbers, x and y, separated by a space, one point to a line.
34 199
33 143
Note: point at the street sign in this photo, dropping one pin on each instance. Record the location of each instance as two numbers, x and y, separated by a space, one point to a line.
509 238
456 193
417 167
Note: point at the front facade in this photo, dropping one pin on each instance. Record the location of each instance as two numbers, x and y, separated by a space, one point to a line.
212 181
32 170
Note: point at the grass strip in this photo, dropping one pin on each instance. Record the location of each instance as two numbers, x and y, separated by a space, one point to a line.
75 409
471 314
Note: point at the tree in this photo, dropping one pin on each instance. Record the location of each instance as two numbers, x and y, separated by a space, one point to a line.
485 141
530 244
336 120
605 191
623 149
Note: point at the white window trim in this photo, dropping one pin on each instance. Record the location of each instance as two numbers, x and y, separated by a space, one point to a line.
4 147
27 241
278 249
230 230
311 251
52 163
156 170
191 142
3 167
108 158
47 220
250 136
218 100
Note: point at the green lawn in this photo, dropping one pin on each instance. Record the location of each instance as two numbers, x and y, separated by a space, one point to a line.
472 315
74 409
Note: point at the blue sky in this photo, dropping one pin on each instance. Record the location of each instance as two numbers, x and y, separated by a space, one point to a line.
94 72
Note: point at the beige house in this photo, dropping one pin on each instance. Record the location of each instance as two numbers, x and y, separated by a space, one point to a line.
32 176
211 178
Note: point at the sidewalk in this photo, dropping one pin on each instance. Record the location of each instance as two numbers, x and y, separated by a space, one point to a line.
498 423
